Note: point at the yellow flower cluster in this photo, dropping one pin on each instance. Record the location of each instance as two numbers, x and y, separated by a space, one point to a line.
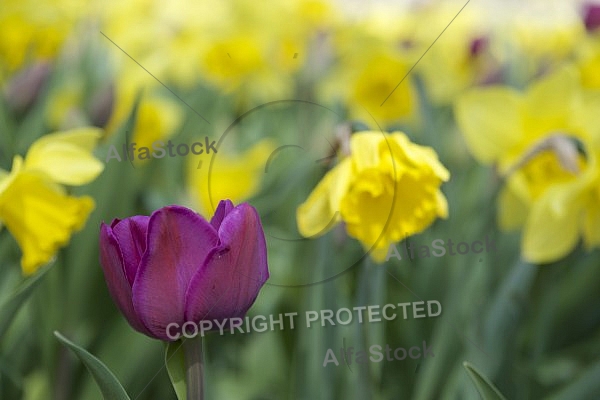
546 142
33 31
543 139
238 46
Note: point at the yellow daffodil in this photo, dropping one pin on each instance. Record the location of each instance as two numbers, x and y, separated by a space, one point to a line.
462 56
533 138
64 101
39 215
158 118
566 212
231 60
32 31
378 79
366 80
499 124
251 65
386 190
234 177
253 56
241 49
370 73
569 210
543 35
34 206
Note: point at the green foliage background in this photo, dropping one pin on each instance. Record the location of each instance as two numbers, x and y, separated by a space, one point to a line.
534 331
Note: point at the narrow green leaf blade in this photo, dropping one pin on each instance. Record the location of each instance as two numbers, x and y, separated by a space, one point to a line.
107 382
10 306
175 362
486 389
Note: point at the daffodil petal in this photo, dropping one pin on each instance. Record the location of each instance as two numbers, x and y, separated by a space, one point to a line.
587 116
66 157
490 120
512 210
442 204
379 253
40 218
85 139
417 155
552 99
4 175
157 119
549 235
319 213
365 149
591 226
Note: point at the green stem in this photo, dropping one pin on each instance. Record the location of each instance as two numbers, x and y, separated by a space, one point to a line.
194 366
506 311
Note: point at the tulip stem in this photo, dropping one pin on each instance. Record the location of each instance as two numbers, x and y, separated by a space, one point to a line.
194 365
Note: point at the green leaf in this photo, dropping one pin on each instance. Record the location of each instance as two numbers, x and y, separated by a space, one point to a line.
586 386
10 306
107 382
505 314
486 389
175 362
7 127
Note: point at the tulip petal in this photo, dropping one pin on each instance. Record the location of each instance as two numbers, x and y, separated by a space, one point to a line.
179 241
233 274
224 208
131 236
111 260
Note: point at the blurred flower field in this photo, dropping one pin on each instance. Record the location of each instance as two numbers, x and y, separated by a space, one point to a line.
156 156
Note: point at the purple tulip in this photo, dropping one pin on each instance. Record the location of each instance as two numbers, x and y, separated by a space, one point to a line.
591 17
175 267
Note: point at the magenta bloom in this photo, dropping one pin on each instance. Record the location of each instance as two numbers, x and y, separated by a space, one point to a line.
591 17
175 267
